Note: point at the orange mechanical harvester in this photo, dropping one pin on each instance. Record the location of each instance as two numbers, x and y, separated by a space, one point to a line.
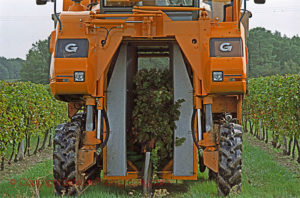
95 50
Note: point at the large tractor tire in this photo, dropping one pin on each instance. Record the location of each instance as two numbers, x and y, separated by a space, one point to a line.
65 149
202 166
212 175
229 177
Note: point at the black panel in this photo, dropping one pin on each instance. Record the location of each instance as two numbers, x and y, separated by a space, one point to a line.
78 48
236 43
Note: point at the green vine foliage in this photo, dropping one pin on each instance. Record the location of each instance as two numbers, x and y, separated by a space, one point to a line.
154 115
275 100
27 109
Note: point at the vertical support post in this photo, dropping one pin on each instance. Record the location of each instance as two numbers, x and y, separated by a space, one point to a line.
147 180
199 124
100 107
236 9
99 119
198 104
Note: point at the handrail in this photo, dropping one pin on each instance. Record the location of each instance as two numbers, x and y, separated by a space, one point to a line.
105 22
147 11
168 8
97 16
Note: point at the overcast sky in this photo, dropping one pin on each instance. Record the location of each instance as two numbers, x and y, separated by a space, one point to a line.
23 23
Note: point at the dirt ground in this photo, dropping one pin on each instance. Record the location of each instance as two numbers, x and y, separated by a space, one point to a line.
19 167
278 156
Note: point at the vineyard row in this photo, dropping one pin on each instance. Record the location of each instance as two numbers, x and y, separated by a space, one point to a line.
27 110
271 108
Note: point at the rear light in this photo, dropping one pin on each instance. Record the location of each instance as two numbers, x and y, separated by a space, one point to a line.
62 80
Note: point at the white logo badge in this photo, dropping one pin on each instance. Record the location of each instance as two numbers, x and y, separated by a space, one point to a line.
226 47
71 48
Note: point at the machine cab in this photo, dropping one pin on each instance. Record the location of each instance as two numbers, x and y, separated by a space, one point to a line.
220 9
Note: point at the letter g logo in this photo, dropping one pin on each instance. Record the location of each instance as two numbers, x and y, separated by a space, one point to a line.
71 48
226 47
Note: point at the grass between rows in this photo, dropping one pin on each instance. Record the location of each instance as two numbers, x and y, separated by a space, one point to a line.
262 177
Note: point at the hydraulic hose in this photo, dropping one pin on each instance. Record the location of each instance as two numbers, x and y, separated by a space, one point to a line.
200 151
244 12
103 42
90 6
56 15
103 144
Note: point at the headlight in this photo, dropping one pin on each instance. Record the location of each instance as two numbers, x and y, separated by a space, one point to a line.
217 76
79 76
226 47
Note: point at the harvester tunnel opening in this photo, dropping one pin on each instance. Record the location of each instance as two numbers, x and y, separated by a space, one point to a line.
156 111
150 126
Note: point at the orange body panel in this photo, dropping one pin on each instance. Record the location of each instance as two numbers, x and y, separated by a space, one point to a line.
73 108
211 159
81 25
68 3
229 13
89 138
224 104
209 139
85 159
165 174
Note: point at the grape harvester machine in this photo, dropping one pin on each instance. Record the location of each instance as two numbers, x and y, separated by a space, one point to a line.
95 49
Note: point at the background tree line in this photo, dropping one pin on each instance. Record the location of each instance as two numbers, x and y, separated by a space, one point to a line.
269 54
10 68
34 69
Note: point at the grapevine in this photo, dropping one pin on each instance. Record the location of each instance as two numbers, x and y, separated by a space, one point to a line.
154 115
273 105
26 110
